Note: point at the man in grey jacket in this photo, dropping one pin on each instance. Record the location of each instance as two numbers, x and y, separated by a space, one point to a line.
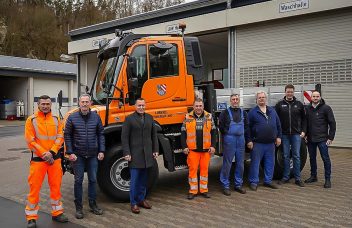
140 148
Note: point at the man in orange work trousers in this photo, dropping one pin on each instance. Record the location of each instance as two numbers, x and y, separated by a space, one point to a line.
44 136
198 141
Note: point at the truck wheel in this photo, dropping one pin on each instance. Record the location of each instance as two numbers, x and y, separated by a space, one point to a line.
279 161
114 175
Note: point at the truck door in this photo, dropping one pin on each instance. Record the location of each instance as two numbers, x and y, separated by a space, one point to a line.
166 82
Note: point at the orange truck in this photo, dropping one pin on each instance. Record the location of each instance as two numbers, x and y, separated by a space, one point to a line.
167 71
164 71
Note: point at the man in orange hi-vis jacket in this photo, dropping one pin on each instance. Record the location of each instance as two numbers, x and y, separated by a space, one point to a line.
44 136
198 139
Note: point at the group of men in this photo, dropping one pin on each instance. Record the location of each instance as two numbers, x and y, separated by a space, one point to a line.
85 145
261 130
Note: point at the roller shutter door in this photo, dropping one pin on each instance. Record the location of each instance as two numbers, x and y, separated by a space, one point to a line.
337 96
313 48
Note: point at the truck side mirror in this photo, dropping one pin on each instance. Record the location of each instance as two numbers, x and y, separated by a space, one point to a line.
59 98
132 90
131 67
131 98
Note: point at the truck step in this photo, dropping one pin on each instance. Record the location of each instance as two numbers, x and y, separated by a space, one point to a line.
173 134
179 167
177 151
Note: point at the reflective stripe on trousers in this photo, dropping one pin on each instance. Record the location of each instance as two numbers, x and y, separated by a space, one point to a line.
195 160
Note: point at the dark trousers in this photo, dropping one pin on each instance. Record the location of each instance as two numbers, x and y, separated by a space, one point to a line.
91 165
138 188
324 153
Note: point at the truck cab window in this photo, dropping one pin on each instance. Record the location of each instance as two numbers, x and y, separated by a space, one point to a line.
140 53
163 62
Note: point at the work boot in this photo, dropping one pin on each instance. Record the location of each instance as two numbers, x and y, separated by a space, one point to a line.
311 179
240 190
79 210
270 185
299 183
94 208
31 223
191 196
253 187
327 183
226 192
61 218
283 181
205 195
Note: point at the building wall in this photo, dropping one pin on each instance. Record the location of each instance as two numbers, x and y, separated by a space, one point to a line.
88 68
51 87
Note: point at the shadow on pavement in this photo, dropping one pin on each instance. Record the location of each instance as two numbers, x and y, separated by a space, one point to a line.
12 215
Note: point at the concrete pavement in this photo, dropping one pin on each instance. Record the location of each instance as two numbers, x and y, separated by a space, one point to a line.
289 206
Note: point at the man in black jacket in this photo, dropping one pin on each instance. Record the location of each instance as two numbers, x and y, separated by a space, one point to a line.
320 133
85 145
140 148
293 123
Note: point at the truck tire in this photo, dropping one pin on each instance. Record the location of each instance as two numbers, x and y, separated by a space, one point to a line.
279 161
114 175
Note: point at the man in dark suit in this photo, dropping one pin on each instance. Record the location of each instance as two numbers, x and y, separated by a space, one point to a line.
140 148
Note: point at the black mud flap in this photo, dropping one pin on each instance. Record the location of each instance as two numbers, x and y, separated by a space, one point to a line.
165 146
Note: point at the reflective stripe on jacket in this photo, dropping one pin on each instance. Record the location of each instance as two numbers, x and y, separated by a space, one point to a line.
43 133
191 130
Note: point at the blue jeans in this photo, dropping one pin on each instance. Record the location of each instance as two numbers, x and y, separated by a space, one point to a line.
91 165
233 147
265 151
138 188
324 153
292 142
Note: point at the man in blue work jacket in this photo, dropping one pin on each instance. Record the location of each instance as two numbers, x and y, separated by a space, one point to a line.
233 125
265 133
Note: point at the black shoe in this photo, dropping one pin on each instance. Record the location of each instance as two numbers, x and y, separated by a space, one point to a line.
94 208
61 218
299 183
253 187
205 195
79 213
270 185
327 183
226 192
283 181
191 196
32 223
311 179
240 190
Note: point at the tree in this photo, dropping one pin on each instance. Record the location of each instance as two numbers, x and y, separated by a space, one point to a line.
39 28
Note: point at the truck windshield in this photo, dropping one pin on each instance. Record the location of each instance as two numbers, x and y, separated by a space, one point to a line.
107 75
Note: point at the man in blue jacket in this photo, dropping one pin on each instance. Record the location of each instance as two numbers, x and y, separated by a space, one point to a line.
85 144
265 133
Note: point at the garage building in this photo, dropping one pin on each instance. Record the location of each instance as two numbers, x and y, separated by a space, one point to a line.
23 79
244 41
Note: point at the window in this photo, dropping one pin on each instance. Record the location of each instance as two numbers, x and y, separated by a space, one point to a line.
163 61
140 54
